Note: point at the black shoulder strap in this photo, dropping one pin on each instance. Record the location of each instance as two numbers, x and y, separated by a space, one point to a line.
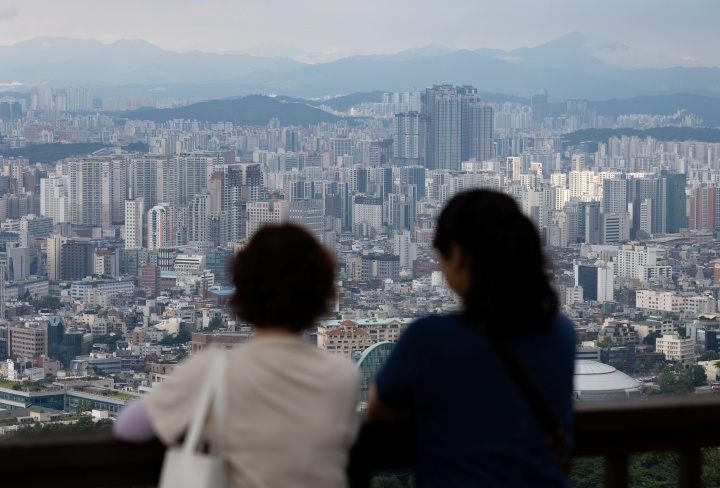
555 435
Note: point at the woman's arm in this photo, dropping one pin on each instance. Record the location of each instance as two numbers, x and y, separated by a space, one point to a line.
133 424
380 412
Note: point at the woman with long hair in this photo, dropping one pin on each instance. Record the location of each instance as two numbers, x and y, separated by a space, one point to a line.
489 388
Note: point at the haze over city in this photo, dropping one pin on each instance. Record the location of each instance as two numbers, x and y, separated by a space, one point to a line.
540 177
641 33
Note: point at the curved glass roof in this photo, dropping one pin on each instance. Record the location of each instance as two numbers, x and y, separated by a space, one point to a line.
372 359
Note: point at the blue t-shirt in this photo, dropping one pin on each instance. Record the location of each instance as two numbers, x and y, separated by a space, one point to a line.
474 427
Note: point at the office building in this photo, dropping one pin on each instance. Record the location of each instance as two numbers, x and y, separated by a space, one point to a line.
597 281
615 227
76 259
309 214
261 213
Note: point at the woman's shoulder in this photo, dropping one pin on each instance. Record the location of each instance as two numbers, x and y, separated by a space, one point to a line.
433 322
563 328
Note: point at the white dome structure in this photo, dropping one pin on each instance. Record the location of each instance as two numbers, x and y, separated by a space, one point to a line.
599 381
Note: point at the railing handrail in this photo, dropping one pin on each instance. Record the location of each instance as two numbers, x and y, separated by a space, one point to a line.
611 429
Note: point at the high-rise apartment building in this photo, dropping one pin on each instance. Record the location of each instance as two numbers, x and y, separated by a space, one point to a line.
539 106
54 257
98 189
54 198
408 145
459 127
593 223
199 220
78 99
261 213
443 127
476 126
615 192
676 201
134 213
705 209
367 210
310 214
166 226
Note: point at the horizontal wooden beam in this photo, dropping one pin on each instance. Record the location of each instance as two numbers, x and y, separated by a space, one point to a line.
613 430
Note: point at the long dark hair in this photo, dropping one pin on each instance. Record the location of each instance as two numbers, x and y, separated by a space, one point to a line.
510 293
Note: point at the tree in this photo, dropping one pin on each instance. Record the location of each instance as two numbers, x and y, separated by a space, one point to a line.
181 337
216 323
698 375
111 340
709 355
618 364
638 366
648 364
48 301
84 406
675 382
682 331
386 481
651 338
588 472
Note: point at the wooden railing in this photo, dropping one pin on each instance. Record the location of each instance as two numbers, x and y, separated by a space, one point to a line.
613 430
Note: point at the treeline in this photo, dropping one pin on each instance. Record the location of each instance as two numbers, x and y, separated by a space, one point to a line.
254 110
84 424
651 469
48 153
659 133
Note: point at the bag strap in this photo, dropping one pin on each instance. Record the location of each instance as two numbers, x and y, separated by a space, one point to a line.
555 434
220 404
209 392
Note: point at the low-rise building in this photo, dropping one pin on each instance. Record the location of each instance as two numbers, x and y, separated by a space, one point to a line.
676 349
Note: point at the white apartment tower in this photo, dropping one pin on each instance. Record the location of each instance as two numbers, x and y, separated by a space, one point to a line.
166 226
134 223
54 198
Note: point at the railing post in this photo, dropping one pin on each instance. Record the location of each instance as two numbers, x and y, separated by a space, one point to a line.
616 471
690 468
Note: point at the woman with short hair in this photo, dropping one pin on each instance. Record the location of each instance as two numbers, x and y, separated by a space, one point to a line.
291 407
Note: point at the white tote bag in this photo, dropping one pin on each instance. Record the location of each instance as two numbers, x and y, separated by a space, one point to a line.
184 466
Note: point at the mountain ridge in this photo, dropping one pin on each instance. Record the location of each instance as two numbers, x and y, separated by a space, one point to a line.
570 66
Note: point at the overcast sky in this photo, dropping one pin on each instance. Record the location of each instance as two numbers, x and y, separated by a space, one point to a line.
657 32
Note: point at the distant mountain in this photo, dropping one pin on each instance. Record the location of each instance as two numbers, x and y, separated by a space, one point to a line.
250 110
59 61
569 67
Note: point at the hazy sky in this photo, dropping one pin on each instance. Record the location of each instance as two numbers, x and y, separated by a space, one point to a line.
657 32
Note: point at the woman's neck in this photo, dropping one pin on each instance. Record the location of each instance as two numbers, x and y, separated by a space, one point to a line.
275 330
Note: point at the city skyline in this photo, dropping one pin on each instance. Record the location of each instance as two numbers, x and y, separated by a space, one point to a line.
637 34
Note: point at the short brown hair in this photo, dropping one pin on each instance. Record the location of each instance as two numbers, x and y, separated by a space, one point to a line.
283 277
